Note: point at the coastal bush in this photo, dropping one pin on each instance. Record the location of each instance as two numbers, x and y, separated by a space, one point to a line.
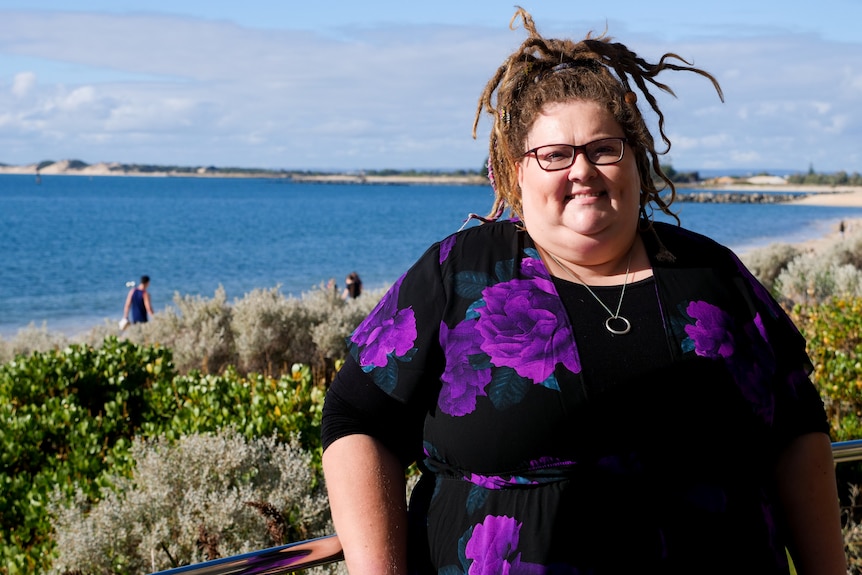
66 417
29 340
768 262
197 329
262 332
832 268
200 498
265 331
815 277
833 330
329 334
255 405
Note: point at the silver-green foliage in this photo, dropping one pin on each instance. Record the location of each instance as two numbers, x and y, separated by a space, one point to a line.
31 339
833 270
191 496
767 262
197 329
264 331
793 275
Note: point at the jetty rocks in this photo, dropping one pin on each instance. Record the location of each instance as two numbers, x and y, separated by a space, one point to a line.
712 197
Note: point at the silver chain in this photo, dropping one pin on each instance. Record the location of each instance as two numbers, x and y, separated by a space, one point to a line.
613 316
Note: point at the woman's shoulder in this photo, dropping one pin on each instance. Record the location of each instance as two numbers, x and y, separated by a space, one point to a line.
684 244
488 238
484 231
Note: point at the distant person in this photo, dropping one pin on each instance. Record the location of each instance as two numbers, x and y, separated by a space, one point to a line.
138 303
353 287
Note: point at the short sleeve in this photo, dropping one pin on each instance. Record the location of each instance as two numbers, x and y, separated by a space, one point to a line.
798 406
398 343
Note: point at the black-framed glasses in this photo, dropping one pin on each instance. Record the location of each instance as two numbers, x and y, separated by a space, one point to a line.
602 152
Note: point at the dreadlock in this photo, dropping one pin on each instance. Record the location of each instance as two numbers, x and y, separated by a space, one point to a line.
544 71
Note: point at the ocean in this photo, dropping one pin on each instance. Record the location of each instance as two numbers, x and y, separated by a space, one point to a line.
69 244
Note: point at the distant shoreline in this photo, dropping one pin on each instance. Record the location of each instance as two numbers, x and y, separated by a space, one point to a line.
816 195
74 168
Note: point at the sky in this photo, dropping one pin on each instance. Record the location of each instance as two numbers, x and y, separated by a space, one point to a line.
345 86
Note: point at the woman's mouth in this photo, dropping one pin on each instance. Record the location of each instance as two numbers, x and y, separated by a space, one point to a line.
584 195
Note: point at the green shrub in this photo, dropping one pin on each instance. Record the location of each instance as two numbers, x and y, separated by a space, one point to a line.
833 330
200 498
255 405
66 417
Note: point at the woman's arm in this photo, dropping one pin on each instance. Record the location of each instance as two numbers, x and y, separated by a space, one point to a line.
367 495
128 303
809 496
147 303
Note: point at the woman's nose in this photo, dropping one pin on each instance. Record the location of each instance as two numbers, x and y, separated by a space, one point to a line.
581 168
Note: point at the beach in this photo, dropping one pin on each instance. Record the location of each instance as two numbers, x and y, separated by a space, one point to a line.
835 196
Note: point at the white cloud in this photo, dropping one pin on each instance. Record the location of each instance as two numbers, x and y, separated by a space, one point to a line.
77 99
177 90
23 83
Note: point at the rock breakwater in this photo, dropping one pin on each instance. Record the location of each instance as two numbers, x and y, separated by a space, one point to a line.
739 197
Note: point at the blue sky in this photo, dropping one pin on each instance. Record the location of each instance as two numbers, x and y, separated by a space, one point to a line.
344 85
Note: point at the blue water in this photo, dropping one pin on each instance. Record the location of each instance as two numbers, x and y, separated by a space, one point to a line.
69 245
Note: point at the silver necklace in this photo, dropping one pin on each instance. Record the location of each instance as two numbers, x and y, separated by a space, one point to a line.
614 317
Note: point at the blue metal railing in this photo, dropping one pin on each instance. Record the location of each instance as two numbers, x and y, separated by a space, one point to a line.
313 552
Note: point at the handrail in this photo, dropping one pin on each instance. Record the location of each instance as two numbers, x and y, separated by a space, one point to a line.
313 552
275 560
844 451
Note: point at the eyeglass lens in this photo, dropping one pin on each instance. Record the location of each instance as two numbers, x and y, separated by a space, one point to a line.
562 156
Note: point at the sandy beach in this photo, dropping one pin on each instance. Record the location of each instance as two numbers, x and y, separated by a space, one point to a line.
850 199
837 196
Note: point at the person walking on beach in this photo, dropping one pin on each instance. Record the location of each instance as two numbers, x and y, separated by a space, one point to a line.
138 303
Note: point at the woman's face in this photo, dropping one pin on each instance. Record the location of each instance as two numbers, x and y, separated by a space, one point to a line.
584 212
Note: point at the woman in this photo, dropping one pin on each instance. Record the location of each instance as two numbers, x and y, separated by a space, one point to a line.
586 391
352 286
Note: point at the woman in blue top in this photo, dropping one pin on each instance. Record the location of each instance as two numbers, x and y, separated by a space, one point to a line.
585 391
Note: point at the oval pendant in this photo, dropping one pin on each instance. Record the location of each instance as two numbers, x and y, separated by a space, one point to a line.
627 326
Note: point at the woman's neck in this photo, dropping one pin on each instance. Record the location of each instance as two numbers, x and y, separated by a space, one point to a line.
628 264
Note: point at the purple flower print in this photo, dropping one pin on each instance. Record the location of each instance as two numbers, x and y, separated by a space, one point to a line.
462 382
523 326
387 330
497 482
491 545
446 247
533 267
743 349
493 549
712 332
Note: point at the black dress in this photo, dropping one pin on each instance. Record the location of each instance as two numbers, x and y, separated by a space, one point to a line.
549 445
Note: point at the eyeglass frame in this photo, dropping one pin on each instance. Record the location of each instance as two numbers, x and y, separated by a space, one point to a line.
575 149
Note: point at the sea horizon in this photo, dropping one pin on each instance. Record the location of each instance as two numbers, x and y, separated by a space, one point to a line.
70 245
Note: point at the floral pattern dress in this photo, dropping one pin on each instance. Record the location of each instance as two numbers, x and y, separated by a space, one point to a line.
530 469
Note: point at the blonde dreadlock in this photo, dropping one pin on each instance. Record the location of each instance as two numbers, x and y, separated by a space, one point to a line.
544 71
